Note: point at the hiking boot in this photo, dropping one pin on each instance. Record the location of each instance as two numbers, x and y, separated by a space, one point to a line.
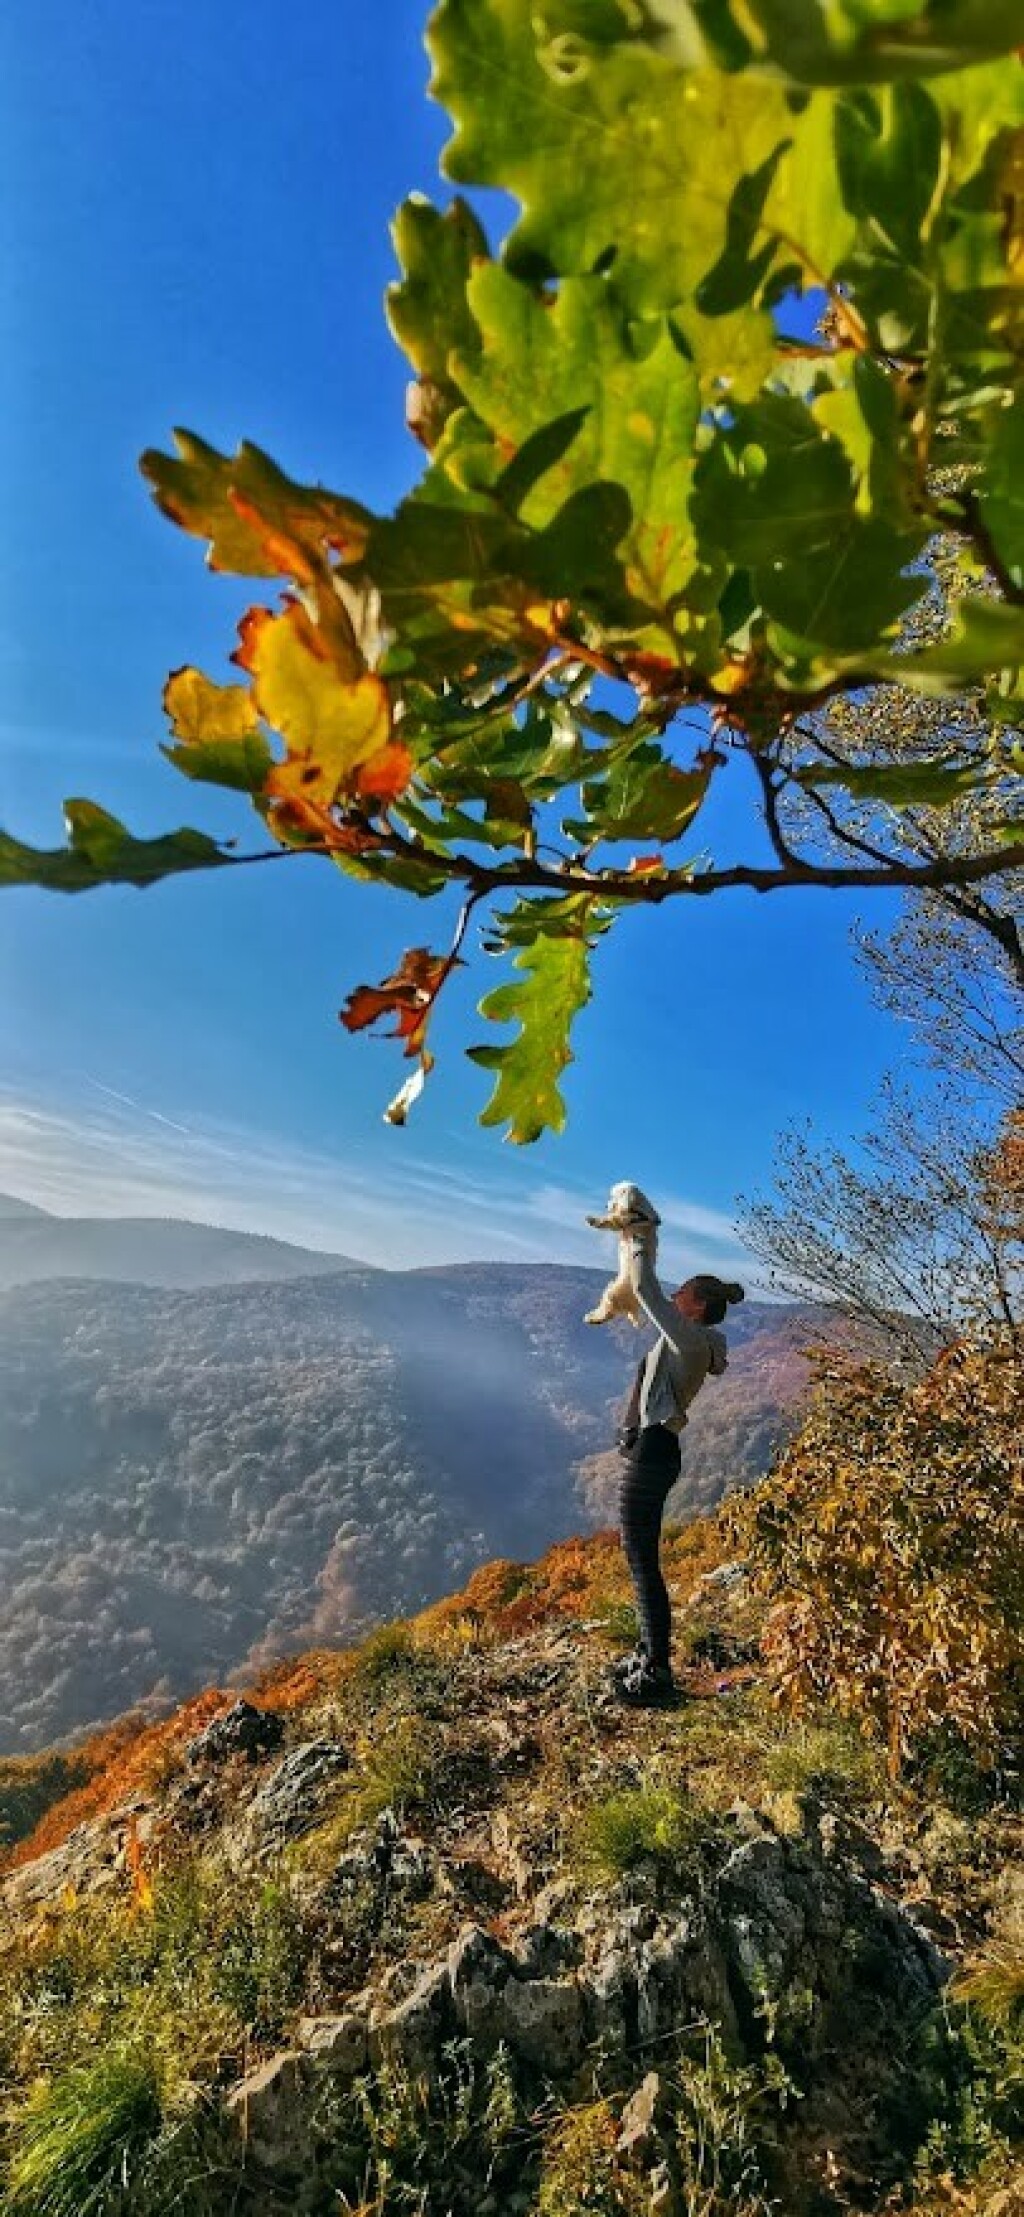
649 1686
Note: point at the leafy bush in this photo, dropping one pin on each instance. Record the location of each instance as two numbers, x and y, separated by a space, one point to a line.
890 1541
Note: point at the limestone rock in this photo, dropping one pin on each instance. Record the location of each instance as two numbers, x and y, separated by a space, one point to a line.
240 1730
267 2110
336 2044
479 1970
415 2033
542 2020
293 1797
636 2131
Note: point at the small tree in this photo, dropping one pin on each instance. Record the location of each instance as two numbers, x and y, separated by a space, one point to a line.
633 474
890 1541
921 1233
919 1228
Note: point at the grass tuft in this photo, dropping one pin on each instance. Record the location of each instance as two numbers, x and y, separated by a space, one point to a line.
830 1758
646 1825
81 2137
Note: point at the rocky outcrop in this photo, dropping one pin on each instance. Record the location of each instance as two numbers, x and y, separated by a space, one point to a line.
787 1948
241 1730
291 1800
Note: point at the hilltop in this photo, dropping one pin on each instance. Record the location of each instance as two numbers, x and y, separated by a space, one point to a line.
196 1481
433 1924
141 1250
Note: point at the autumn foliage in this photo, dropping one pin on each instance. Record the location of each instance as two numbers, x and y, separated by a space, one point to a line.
889 1541
633 471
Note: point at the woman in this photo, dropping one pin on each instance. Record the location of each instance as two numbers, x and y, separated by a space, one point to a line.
688 1351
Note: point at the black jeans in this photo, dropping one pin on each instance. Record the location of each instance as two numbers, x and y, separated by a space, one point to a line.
651 1470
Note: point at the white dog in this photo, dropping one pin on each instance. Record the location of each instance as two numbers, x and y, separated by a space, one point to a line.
628 1213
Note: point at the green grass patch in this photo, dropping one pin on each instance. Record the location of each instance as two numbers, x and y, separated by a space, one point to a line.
642 1826
619 1625
830 1758
81 2138
387 1650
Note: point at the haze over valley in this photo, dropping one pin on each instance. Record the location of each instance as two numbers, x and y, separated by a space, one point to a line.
195 1478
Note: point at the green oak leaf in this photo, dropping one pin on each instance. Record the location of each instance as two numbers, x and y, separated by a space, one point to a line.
849 595
577 558
641 796
1001 497
613 153
733 355
862 410
772 486
443 822
427 308
889 146
835 42
101 851
635 400
553 917
538 753
258 521
451 586
780 497
551 986
988 637
406 874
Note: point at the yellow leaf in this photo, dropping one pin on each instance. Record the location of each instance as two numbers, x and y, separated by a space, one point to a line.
333 727
200 710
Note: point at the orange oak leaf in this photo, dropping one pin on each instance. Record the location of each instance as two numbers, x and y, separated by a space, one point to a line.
408 996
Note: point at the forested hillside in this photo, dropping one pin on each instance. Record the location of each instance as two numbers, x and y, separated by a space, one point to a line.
192 1483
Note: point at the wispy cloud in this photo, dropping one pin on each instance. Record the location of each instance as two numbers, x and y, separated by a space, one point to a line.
170 1121
118 1156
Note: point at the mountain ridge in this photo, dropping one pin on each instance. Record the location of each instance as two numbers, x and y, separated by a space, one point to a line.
37 1245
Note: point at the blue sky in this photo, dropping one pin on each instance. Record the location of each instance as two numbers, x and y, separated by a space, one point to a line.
195 206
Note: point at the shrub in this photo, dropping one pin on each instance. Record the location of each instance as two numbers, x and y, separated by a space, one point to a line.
386 1650
722 2116
890 1541
401 2143
259 1969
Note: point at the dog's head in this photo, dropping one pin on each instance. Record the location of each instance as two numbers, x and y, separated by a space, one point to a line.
627 1204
